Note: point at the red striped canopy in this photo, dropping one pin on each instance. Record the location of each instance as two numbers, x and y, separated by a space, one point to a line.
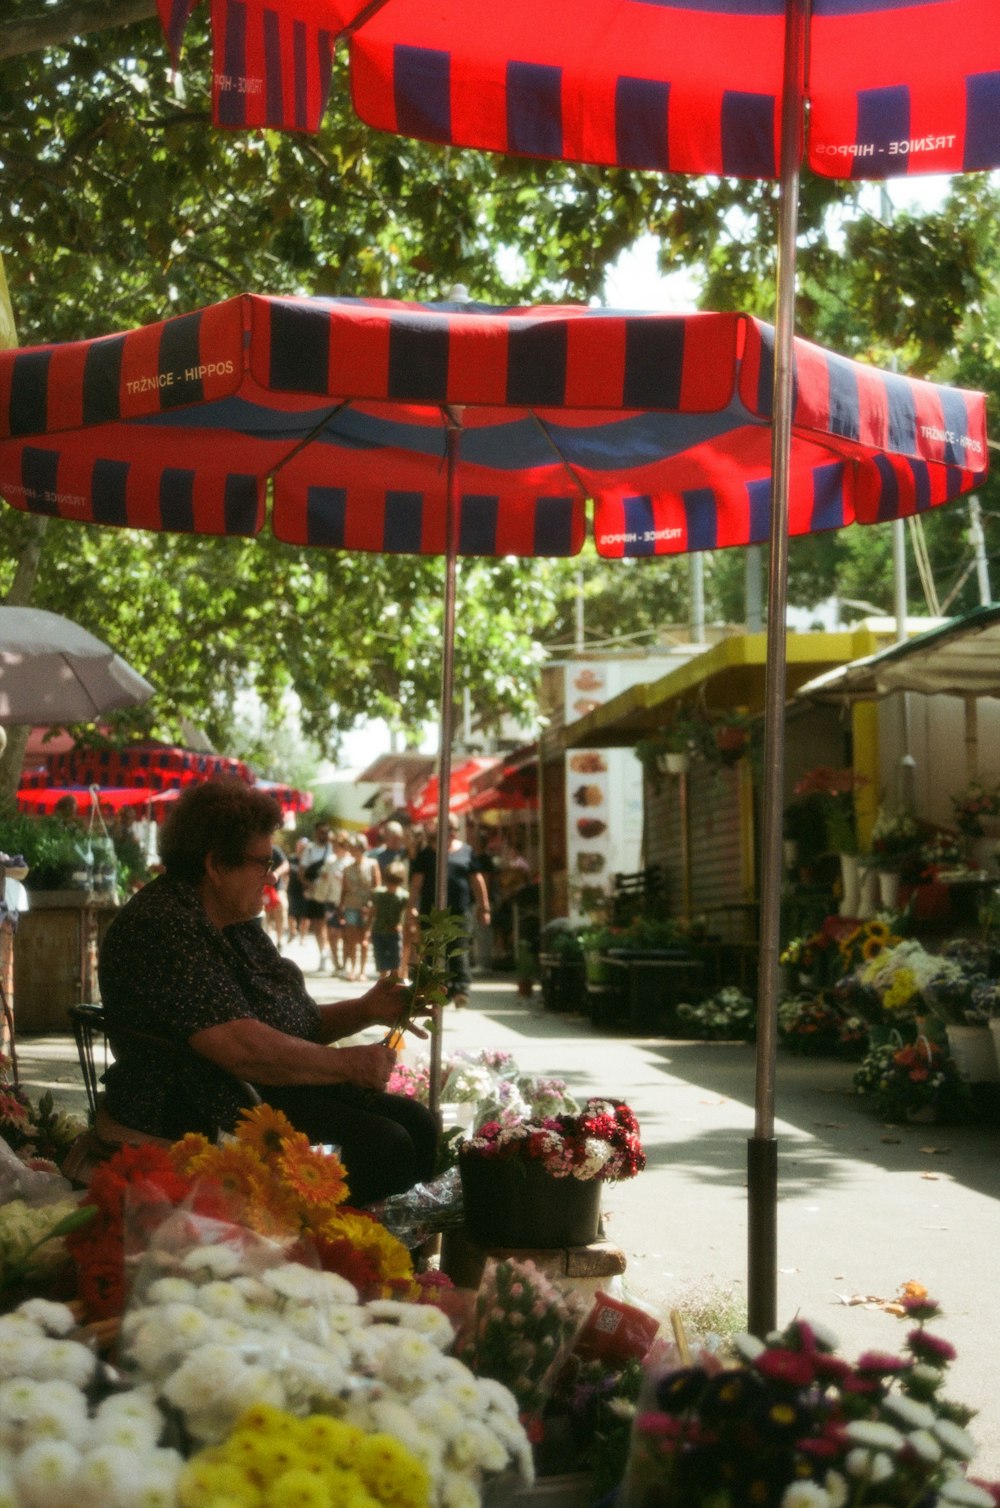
344 406
689 86
110 798
156 766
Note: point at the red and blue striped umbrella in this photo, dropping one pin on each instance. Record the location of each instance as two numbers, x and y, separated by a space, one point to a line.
683 86
345 406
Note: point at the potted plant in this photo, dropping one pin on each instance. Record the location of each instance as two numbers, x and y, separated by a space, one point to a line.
670 750
727 1016
537 1183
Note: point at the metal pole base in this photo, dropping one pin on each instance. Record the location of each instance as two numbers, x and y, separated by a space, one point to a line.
762 1232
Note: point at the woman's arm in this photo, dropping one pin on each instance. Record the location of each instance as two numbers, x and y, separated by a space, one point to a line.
249 1049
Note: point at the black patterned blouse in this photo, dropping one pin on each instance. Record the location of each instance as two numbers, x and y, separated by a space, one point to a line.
166 971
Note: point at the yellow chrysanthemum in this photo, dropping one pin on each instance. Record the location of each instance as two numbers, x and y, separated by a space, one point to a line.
318 1178
298 1488
901 991
265 1129
392 1474
383 1250
184 1152
331 1439
203 1480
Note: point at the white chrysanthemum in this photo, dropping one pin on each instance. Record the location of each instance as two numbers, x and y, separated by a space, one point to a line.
474 1446
45 1474
805 1495
153 1346
496 1396
910 1412
390 1417
54 1319
189 1324
825 1338
138 1405
958 1490
874 1434
293 1281
105 1478
924 1445
214 1261
254 1291
411 1360
156 1484
221 1300
466 1394
956 1441
57 1411
873 1464
312 1381
456 1490
427 1319
172 1290
214 1384
337 1289
436 1413
837 1489
346 1318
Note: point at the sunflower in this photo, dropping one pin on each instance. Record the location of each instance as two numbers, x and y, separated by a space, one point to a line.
872 948
265 1130
881 930
387 1255
318 1178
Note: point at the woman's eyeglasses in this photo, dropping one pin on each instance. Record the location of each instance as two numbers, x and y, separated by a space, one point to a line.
267 865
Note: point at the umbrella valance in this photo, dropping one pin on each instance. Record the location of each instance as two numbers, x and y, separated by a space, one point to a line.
43 800
346 407
158 766
689 86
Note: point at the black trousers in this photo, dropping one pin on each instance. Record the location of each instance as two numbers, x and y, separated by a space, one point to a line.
386 1142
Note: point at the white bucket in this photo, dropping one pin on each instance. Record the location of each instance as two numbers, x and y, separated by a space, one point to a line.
975 1055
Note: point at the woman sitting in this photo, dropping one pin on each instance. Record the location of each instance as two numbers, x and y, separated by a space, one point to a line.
187 961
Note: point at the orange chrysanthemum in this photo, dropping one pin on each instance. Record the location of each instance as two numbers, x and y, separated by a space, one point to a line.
265 1129
387 1256
184 1152
317 1178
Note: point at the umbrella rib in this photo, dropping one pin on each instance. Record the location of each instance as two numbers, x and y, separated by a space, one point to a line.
566 465
308 439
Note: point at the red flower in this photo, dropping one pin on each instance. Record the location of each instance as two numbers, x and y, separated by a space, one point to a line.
794 1367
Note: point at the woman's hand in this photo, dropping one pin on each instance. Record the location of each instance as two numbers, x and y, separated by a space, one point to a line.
369 1066
388 1001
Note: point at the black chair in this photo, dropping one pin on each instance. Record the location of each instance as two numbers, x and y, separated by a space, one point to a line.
88 1022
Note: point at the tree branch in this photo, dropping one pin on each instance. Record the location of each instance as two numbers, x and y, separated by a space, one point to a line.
54 28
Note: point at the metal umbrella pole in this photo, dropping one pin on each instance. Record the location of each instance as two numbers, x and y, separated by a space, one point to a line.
762 1147
453 419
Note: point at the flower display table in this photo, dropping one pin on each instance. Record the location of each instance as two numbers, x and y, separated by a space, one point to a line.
579 1267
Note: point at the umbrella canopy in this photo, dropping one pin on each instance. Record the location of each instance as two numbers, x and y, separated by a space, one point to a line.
155 765
685 87
52 670
43 800
958 658
347 405
424 808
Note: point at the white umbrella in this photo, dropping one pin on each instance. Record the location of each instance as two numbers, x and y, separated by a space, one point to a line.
54 671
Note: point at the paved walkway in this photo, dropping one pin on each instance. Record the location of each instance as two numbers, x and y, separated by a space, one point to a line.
863 1207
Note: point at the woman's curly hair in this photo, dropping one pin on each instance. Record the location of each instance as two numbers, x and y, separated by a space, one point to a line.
215 817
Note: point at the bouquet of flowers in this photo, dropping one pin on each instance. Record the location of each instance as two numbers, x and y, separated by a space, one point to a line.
521 1330
811 1024
895 838
266 1178
796 1426
901 977
864 942
727 1016
913 1081
602 1142
34 1131
940 852
972 805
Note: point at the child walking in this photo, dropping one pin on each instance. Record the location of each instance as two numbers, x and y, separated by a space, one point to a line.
389 902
